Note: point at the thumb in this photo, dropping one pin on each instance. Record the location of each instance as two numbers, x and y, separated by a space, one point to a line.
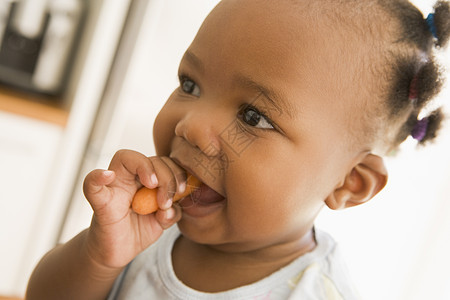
95 187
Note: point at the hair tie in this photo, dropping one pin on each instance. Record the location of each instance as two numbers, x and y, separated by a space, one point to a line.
431 25
420 129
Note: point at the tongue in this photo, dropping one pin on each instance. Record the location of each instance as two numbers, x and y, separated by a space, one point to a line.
205 195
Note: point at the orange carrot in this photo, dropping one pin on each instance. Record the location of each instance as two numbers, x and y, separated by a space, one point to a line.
144 201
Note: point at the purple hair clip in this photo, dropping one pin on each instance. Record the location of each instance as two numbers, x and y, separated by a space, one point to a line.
420 129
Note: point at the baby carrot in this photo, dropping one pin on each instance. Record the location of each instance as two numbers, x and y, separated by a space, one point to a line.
144 201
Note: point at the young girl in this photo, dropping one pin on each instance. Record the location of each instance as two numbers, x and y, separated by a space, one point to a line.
283 107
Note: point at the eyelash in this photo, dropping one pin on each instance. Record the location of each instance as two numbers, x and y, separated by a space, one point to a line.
244 108
262 115
185 78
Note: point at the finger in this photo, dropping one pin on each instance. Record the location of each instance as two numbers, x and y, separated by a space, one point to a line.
167 218
129 164
94 186
179 173
166 183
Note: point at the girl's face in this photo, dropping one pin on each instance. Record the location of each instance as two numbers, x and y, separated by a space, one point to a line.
259 119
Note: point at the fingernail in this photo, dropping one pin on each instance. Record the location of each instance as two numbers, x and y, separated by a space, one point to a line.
170 213
169 203
108 173
154 179
182 187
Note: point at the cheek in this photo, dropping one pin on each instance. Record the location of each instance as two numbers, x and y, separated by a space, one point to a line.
267 213
272 193
273 169
164 130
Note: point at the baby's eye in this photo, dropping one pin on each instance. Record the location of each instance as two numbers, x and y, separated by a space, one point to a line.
189 86
254 118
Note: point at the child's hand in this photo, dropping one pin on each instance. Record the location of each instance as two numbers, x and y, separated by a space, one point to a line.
117 234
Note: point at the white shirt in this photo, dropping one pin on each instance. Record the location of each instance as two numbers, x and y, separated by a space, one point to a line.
319 274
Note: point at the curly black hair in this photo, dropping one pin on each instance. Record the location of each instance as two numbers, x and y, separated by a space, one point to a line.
417 79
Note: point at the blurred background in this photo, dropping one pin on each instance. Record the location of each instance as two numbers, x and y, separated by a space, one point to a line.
81 79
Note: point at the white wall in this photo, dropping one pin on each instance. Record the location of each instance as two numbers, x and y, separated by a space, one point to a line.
396 245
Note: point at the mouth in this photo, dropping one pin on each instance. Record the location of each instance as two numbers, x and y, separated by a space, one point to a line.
211 183
203 196
203 200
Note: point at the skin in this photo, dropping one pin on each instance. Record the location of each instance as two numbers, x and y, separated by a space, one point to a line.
284 167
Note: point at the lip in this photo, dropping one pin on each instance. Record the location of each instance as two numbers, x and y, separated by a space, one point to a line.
190 171
198 209
195 207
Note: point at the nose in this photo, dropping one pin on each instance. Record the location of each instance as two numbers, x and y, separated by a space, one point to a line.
199 127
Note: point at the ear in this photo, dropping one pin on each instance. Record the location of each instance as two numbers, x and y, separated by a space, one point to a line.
363 182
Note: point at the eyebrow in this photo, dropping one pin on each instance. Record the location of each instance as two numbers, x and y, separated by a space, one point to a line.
274 98
194 60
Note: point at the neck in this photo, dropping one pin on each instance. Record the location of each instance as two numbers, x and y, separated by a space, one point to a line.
210 269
